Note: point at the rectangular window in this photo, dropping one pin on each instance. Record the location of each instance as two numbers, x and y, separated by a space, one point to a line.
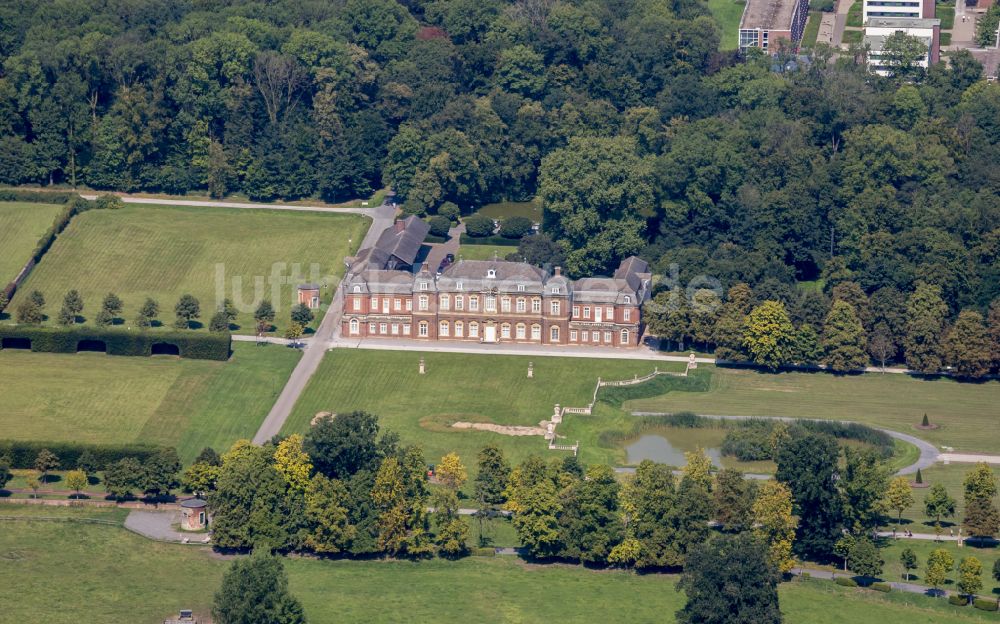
459 302
572 335
445 302
397 304
554 306
627 314
522 305
576 311
371 328
491 303
536 332
554 333
423 303
383 328
443 330
474 304
520 288
422 329
536 305
357 303
406 329
609 313
586 312
423 285
474 330
459 329
607 337
395 329
409 305
505 331
585 336
505 304
520 332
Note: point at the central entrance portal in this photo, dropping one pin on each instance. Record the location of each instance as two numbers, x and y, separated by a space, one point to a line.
490 333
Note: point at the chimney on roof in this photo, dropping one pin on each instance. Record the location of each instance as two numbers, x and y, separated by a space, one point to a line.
398 225
425 267
558 271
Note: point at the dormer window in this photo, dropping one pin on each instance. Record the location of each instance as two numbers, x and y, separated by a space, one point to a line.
423 285
520 288
357 288
491 273
628 299
555 290
458 286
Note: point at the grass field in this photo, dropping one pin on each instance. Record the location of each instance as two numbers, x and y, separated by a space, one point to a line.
128 579
727 14
947 16
893 570
855 14
965 412
499 210
853 36
951 477
165 252
94 397
485 252
21 225
458 387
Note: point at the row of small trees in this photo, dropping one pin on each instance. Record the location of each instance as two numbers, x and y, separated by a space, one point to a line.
846 333
187 310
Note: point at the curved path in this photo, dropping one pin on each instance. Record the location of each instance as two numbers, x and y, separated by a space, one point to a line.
928 452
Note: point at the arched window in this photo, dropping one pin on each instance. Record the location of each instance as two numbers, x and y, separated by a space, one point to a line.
473 330
459 329
357 288
554 333
444 329
628 299
505 304
445 302
505 330
520 333
536 332
354 327
422 329
522 305
624 337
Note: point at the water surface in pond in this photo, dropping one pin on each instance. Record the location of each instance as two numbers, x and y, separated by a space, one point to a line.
659 449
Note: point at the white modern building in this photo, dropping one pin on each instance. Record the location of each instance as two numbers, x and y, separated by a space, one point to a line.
917 9
879 29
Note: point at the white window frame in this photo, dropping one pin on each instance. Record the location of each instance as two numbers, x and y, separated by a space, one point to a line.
423 285
473 303
627 314
422 330
628 299
423 304
505 304
355 327
607 337
445 302
520 288
383 329
473 330
536 305
586 312
585 336
554 307
375 303
554 333
356 303
624 336
521 305
406 329
459 302
459 329
536 332
444 328
357 288
505 330
394 329
409 305
520 331
490 305
397 304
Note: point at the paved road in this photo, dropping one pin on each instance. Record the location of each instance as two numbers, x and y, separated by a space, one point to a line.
158 525
928 452
328 327
440 250
912 588
969 458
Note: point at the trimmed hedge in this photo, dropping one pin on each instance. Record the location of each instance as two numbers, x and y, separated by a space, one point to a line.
194 345
35 197
881 587
985 604
495 239
957 600
844 581
22 453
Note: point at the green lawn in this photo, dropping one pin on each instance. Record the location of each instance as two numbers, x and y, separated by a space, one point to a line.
21 225
144 251
853 36
947 16
94 397
855 15
893 570
129 579
812 29
727 14
965 412
945 38
951 477
459 387
484 252
499 210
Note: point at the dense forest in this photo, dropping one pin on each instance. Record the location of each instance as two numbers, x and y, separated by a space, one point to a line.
621 115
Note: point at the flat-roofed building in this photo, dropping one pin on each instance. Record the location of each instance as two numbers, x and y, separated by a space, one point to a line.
879 29
917 9
764 22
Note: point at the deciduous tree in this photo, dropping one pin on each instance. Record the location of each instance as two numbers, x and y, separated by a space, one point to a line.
450 471
768 335
254 590
899 496
843 339
774 523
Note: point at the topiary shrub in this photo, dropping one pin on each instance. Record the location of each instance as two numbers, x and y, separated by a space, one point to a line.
515 227
844 581
483 552
439 225
194 345
985 604
958 601
450 211
22 453
478 226
414 207
881 587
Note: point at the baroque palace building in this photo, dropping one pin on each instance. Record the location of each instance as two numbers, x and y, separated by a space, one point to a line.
490 301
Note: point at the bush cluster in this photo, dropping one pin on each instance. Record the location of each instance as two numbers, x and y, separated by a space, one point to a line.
985 604
958 600
882 587
487 240
751 443
22 453
35 197
194 345
478 226
515 227
844 581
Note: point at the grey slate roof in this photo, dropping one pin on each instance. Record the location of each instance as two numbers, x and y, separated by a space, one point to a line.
398 243
474 275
